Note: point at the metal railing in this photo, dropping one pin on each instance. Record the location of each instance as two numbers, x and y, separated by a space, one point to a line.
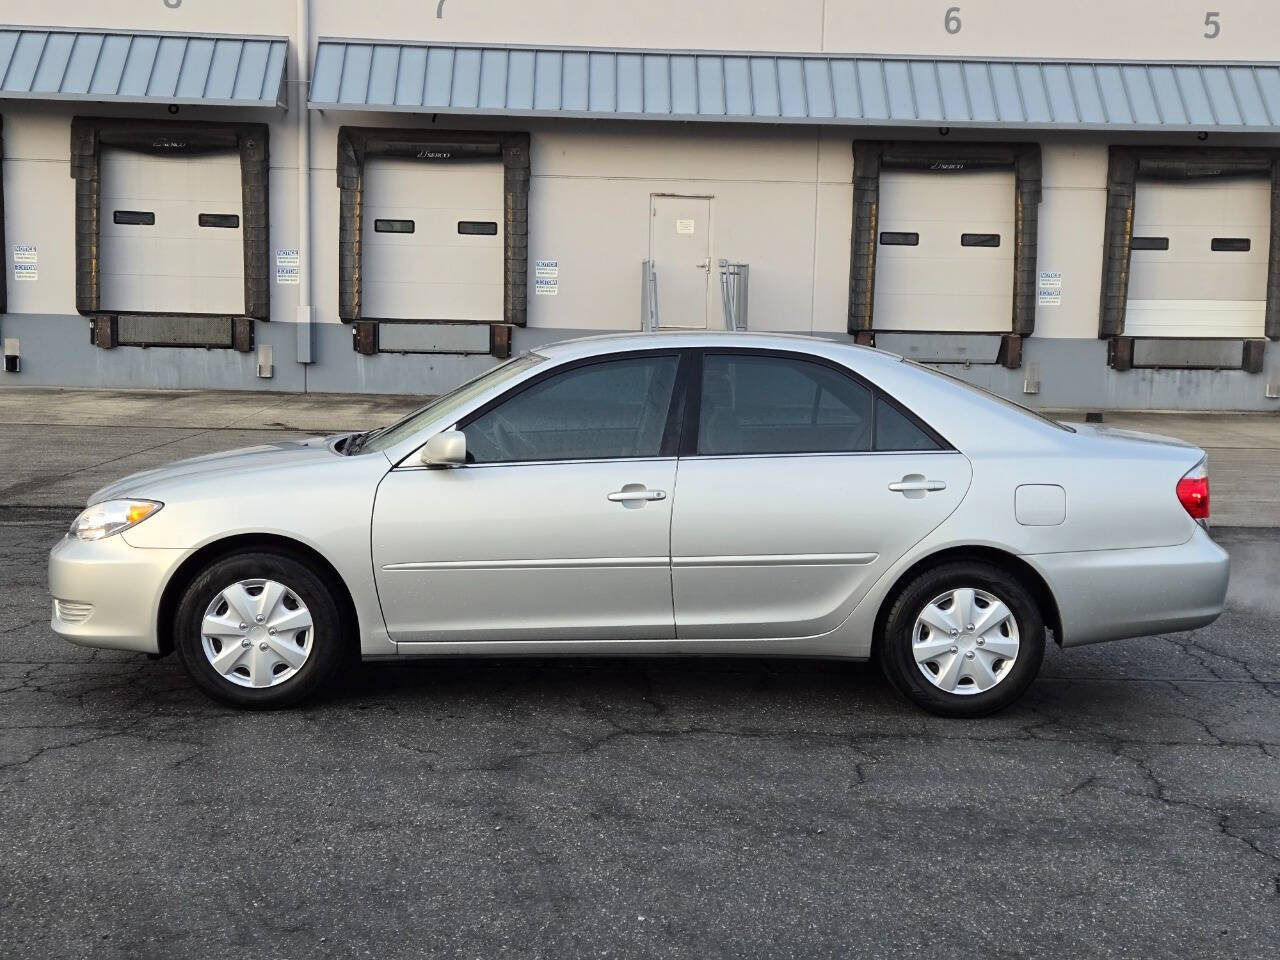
648 297
733 294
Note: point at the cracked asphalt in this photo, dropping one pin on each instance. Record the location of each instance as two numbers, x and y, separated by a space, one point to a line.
1128 807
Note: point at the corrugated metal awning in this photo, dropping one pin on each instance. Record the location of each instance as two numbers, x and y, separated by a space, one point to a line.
113 67
800 88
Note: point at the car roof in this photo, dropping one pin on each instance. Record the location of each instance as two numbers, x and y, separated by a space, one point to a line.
684 339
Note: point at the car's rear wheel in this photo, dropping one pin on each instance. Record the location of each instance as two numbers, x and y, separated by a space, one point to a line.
259 630
963 639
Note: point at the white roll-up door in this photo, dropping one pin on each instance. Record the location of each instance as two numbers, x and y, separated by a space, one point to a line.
1198 266
944 260
432 240
172 233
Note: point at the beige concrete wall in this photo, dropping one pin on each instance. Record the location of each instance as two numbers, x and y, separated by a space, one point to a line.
1147 29
1103 29
781 197
39 195
590 210
40 208
777 196
781 201
1151 29
1072 214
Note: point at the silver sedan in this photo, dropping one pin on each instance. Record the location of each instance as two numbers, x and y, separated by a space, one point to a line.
663 494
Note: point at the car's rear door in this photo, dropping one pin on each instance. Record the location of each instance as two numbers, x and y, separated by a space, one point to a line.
799 485
559 526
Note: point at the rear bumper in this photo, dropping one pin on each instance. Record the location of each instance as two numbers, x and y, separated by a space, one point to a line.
1114 594
107 593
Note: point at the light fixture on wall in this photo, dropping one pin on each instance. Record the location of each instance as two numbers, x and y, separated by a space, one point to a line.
173 108
944 131
1202 135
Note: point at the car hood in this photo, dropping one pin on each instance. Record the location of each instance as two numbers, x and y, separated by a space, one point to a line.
246 460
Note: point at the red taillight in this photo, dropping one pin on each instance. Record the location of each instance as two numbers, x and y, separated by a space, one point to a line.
1193 492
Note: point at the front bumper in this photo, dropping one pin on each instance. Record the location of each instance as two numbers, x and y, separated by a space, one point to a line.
107 593
1114 594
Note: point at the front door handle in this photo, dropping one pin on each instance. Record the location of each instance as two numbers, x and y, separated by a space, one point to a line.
636 494
915 483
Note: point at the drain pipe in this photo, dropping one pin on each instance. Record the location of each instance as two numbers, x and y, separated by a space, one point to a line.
306 309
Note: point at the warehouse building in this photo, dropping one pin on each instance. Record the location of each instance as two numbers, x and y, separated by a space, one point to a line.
1078 211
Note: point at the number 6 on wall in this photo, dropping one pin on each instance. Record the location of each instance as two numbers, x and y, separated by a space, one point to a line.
951 20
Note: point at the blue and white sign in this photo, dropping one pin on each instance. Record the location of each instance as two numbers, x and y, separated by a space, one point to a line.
1049 290
287 264
26 262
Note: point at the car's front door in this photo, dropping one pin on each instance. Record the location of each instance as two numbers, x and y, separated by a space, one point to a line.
559 525
803 484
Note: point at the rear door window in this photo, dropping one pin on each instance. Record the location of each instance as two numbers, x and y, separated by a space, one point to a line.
774 404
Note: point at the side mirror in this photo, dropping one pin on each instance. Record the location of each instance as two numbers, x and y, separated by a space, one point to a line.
446 449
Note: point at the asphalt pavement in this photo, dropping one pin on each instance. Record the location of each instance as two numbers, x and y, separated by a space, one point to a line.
1129 806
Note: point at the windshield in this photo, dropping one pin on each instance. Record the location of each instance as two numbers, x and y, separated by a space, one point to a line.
442 406
993 396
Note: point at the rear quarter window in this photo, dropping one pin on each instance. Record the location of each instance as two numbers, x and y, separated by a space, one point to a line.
895 431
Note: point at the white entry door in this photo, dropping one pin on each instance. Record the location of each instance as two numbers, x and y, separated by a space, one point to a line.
1199 261
680 248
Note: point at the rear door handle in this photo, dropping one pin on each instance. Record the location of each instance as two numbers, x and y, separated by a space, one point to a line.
911 486
633 494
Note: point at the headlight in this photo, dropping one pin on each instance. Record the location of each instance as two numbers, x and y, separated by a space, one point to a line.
110 517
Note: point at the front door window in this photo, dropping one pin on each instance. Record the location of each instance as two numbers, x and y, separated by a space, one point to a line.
613 410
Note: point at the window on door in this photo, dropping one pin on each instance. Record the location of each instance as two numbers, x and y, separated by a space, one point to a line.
603 411
774 405
780 405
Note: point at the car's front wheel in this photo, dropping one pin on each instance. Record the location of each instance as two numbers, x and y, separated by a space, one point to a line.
963 639
259 630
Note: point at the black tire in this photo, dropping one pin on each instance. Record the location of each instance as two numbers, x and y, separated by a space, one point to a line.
895 647
329 645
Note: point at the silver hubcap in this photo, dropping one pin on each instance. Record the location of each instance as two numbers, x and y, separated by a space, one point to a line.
965 641
257 633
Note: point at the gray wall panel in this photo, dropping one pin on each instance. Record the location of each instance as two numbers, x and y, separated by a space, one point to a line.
1073 374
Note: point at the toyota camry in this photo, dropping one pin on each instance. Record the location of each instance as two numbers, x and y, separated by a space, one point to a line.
658 494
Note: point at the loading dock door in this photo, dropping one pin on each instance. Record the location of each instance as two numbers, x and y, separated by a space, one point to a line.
433 240
944 256
172 237
1198 266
